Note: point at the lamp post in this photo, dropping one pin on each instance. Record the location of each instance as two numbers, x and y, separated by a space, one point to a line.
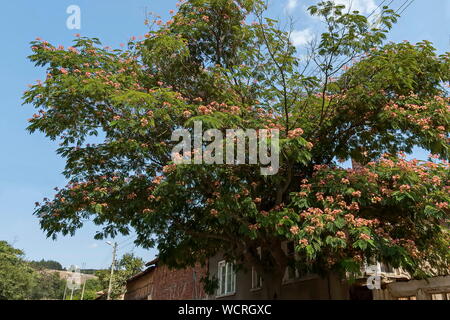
114 245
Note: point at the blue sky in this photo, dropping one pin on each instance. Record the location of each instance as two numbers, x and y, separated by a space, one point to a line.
29 166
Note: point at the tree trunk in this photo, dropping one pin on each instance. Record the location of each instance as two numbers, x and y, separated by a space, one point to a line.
272 283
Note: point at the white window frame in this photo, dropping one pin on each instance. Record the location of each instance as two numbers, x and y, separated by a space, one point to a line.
257 280
297 277
287 274
229 267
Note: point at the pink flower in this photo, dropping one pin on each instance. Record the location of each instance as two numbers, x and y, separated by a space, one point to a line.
63 71
204 110
364 236
254 226
354 206
356 194
157 180
405 187
144 122
169 168
376 199
341 234
294 230
436 180
303 242
295 133
310 229
442 205
187 114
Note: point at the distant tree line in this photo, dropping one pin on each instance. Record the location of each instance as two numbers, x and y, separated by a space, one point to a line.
30 280
47 264
23 280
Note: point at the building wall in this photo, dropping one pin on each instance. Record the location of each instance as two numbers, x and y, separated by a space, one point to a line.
162 283
172 284
437 288
310 287
140 288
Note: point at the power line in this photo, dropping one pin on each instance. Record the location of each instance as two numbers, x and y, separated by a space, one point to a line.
125 240
403 5
396 11
389 4
406 7
123 249
379 15
127 244
376 8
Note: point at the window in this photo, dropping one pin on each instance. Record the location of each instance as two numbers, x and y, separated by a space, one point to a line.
256 277
440 296
256 280
227 278
292 273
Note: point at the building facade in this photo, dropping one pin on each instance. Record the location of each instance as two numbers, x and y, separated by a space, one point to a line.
246 284
158 282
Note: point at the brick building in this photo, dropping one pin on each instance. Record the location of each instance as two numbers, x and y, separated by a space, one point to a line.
158 282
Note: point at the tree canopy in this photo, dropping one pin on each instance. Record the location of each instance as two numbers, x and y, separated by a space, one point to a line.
221 62
47 264
23 280
16 276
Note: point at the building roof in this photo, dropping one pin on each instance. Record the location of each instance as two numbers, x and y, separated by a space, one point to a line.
142 273
151 265
152 262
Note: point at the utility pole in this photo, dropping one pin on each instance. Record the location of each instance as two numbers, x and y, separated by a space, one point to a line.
112 268
71 294
65 290
84 283
82 291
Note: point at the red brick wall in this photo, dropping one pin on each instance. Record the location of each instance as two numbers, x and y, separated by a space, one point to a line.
172 284
140 288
